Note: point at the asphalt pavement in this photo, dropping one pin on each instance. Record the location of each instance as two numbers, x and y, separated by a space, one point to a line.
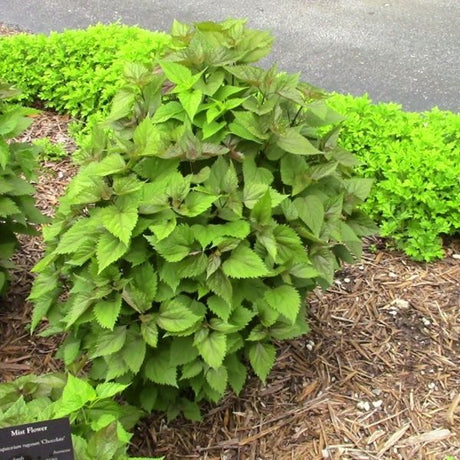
405 51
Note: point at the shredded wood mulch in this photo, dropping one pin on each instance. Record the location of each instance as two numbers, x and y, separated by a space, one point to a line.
378 377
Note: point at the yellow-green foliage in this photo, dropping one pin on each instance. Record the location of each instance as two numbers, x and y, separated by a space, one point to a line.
76 71
415 159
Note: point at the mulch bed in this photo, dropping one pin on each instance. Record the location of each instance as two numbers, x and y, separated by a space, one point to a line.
378 377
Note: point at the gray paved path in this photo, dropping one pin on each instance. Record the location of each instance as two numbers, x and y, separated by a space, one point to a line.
407 51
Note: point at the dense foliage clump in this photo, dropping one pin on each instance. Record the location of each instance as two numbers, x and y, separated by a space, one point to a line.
100 425
76 72
17 164
415 160
207 206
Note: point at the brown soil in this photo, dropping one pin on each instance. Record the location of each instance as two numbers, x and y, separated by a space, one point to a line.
377 378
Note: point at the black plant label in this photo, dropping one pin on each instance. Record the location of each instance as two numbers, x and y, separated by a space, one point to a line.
48 440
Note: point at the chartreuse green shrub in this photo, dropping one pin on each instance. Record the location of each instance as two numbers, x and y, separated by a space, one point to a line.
17 163
205 210
100 425
76 72
415 159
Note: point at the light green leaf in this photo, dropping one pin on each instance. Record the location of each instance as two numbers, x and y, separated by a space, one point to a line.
213 348
111 164
244 263
109 342
73 238
120 221
149 330
311 211
134 349
109 249
196 203
237 372
262 357
190 100
161 231
293 142
220 285
106 312
359 187
175 315
158 368
76 394
262 210
176 73
109 389
8 207
177 245
289 245
192 369
219 307
284 299
167 111
217 379
126 185
149 140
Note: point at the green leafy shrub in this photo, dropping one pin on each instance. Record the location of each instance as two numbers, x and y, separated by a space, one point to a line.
205 210
100 426
49 150
17 163
414 158
76 71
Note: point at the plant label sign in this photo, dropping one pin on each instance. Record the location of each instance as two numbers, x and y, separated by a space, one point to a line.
48 440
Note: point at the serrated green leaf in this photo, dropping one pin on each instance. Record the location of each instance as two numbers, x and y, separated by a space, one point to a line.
237 372
217 379
109 389
111 164
149 140
126 185
190 100
359 187
106 312
284 299
191 370
149 330
289 245
177 245
163 230
72 239
176 73
190 267
109 342
167 111
219 307
196 203
262 210
134 349
262 357
176 315
303 271
213 348
293 142
109 249
159 369
244 263
311 211
71 348
220 285
8 207
75 395
120 221
79 304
